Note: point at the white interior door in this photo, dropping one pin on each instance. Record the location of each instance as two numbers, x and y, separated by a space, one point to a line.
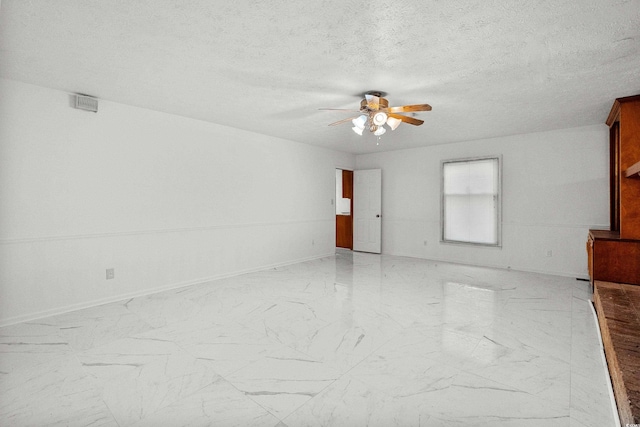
367 210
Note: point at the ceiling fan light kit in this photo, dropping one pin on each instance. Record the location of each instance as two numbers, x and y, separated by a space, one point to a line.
379 118
375 113
393 122
379 131
359 122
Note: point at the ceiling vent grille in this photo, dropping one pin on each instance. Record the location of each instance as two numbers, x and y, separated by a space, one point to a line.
87 103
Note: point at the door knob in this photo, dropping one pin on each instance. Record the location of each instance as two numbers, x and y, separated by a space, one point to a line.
378 216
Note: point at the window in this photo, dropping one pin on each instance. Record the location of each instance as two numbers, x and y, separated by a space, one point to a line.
471 201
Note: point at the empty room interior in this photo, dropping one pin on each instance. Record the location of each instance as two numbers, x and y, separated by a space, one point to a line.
331 213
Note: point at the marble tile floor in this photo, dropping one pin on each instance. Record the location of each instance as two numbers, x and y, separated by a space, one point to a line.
349 340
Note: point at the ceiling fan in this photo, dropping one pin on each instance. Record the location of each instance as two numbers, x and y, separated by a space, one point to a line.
375 113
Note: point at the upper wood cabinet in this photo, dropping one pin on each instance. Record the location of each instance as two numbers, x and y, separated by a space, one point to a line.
624 125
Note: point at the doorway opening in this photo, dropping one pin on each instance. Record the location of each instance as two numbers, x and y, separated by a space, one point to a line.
344 209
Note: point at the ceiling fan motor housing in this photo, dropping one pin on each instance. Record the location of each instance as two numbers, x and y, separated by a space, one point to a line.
382 103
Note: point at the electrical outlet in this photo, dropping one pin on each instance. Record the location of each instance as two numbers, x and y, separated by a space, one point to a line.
110 273
549 253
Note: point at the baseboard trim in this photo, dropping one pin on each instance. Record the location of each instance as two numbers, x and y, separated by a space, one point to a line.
500 267
94 303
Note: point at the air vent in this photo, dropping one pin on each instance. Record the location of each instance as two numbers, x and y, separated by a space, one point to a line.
84 102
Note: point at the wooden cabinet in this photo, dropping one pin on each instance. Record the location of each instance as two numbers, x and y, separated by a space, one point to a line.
344 223
614 255
613 259
624 125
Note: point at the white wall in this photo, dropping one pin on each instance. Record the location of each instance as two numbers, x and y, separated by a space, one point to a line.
555 187
168 201
164 200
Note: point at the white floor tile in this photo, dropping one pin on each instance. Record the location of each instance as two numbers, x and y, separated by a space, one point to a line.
349 402
284 380
29 344
350 340
218 404
58 392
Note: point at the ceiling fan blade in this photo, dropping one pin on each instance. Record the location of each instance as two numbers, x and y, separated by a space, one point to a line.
406 119
343 121
339 109
410 108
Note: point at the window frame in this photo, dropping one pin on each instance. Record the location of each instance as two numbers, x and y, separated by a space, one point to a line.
498 244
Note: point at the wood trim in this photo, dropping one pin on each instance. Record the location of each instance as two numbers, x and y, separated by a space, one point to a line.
618 318
629 156
614 114
614 183
590 258
633 171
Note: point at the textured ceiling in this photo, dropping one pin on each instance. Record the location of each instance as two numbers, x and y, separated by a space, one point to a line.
488 67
